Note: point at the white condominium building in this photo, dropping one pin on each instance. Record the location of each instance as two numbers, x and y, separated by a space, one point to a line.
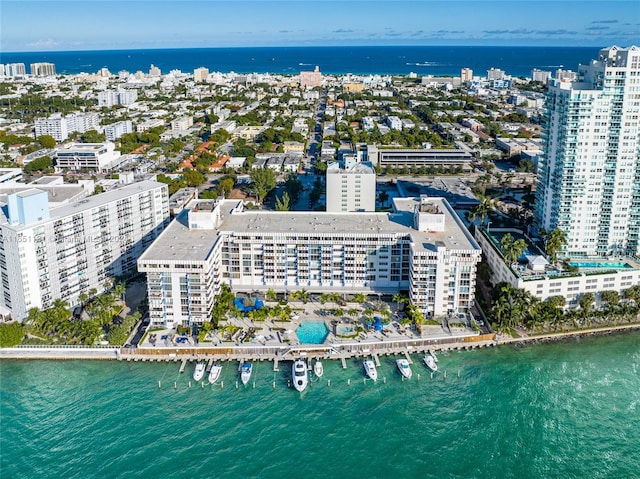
182 123
43 69
14 69
59 126
589 182
200 74
116 130
49 253
352 189
422 247
110 98
91 156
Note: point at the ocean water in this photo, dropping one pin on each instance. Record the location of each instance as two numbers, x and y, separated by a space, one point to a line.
565 410
397 60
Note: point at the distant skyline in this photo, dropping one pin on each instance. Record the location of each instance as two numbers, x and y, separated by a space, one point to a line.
35 26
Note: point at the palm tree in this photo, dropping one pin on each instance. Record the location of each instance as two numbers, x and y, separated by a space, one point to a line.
359 298
586 303
555 240
119 290
483 208
399 298
612 298
383 197
304 295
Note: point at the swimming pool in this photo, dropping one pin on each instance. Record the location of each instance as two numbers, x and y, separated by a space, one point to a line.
606 265
312 332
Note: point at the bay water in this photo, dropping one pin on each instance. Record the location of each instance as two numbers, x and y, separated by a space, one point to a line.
565 410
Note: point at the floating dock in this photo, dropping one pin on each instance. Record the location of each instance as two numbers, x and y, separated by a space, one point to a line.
183 365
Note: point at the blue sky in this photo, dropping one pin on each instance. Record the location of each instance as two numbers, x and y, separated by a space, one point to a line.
29 25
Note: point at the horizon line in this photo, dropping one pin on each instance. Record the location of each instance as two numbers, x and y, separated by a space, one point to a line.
294 46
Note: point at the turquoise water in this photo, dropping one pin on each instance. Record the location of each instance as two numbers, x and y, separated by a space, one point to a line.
565 410
581 264
312 332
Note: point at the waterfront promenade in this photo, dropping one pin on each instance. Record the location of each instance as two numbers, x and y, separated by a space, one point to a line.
260 352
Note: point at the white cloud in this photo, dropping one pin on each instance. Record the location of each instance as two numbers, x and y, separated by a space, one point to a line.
48 43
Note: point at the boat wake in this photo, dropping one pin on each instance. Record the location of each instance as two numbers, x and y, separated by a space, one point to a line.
424 64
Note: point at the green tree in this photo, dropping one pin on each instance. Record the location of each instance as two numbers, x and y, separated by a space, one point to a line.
383 197
42 164
263 181
11 334
271 295
47 141
225 186
92 136
512 248
193 177
294 187
633 294
282 203
555 240
359 298
586 303
482 209
610 297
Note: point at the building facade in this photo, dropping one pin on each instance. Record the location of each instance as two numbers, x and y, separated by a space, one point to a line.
422 247
43 69
49 253
311 79
589 172
617 276
90 156
110 98
351 189
200 74
115 130
417 157
59 127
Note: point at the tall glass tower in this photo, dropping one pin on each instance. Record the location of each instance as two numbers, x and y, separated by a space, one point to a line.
589 173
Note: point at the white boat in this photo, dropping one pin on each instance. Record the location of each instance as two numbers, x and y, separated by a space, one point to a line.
430 362
404 368
299 373
198 374
318 369
245 372
370 369
214 373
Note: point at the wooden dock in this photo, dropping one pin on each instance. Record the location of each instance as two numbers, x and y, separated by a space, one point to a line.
406 355
344 362
183 365
275 365
376 359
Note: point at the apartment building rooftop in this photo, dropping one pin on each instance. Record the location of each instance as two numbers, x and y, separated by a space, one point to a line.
80 205
181 243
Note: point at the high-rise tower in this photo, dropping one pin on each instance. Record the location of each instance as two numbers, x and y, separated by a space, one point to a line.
589 183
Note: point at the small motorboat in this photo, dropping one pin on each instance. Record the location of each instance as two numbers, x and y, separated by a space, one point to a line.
430 362
245 372
214 373
370 369
198 374
433 354
318 369
299 373
404 368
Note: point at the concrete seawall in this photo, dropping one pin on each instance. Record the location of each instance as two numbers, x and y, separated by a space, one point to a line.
288 352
